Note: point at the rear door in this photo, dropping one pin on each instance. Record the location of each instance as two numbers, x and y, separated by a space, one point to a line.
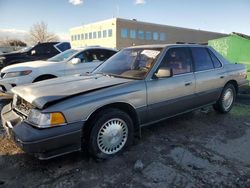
173 95
209 75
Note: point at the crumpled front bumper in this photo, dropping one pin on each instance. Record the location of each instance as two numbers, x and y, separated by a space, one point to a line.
43 143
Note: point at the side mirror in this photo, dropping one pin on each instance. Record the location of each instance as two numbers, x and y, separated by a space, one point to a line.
75 61
33 52
164 72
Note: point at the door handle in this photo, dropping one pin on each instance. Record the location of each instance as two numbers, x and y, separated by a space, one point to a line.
188 83
222 77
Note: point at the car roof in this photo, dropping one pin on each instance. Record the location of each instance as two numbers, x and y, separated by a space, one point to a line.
167 45
47 43
94 48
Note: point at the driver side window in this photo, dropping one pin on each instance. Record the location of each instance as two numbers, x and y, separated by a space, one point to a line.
88 56
82 57
178 59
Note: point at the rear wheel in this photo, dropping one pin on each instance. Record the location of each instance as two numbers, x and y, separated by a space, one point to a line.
112 131
226 100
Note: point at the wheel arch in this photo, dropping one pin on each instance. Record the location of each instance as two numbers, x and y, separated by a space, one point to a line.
44 76
234 83
125 107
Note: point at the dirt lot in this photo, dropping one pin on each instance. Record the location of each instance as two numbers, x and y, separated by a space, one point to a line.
203 149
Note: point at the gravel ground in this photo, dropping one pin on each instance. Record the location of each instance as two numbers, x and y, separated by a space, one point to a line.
200 149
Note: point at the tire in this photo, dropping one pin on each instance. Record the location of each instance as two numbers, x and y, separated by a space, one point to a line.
110 125
226 100
45 77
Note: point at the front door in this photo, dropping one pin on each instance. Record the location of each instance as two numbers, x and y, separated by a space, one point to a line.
172 95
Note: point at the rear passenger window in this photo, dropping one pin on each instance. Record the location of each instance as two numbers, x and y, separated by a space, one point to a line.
202 59
110 53
217 63
63 46
105 54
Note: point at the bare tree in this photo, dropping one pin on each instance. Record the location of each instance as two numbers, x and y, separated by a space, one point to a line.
39 33
16 43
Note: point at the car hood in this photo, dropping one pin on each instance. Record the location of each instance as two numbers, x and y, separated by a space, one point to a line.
42 93
14 53
28 65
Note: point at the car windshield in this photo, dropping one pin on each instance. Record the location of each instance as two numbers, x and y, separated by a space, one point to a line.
133 63
64 55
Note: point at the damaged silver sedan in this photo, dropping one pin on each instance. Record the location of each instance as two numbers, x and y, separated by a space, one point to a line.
103 112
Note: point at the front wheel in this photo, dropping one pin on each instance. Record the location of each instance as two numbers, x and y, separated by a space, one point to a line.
226 100
112 131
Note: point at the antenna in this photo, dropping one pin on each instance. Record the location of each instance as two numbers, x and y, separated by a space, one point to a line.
117 9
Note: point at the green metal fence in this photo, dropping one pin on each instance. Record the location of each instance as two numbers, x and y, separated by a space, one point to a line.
234 48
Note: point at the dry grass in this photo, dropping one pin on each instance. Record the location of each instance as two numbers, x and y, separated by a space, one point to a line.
8 147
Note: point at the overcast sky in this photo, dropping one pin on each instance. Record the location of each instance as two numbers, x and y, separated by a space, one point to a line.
226 16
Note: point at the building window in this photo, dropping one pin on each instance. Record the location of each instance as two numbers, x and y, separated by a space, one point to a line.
141 34
104 33
72 37
124 33
78 37
82 36
86 36
155 35
99 34
133 34
162 36
94 35
90 35
148 35
110 32
75 37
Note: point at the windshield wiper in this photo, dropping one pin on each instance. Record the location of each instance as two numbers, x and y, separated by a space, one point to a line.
120 76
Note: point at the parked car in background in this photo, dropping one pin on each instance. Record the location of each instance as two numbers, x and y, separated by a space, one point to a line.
102 112
41 51
69 62
8 49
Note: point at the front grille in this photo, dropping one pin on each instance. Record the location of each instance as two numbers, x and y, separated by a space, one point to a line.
23 106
